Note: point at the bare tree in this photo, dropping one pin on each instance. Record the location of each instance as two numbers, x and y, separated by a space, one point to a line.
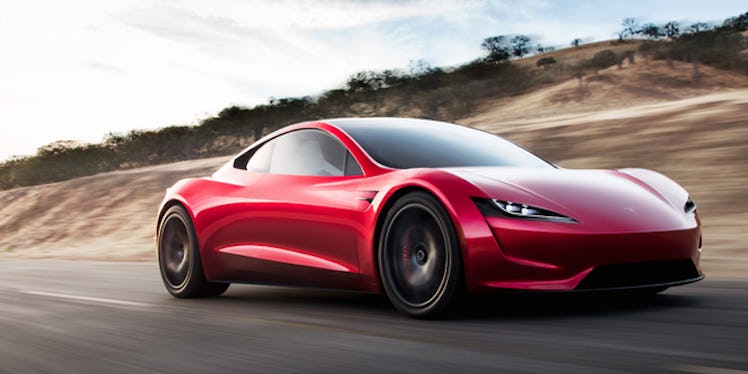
621 34
365 81
630 27
520 45
497 47
672 30
739 23
698 27
651 31
419 68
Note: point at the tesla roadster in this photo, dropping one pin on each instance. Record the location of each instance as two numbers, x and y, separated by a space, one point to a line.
424 212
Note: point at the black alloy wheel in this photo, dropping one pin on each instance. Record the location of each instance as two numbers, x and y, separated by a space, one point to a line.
419 257
179 258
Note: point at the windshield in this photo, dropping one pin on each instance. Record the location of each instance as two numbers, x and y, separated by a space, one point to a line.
410 143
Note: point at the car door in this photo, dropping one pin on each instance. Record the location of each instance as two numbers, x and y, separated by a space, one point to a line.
303 226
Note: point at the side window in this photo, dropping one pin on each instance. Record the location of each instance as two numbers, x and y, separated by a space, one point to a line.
260 159
351 166
304 152
308 152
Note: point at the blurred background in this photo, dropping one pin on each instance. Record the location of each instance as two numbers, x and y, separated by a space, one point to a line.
104 104
90 92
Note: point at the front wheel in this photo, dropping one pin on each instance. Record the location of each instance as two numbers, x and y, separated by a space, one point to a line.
179 258
419 258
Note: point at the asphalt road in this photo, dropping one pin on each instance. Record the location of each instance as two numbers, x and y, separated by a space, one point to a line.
90 317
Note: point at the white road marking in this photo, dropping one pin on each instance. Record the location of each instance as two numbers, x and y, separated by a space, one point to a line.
707 369
99 300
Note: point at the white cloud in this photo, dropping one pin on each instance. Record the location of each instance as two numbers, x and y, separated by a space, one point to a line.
78 69
322 14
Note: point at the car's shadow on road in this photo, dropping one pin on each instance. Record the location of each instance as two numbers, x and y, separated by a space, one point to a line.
503 306
292 298
545 305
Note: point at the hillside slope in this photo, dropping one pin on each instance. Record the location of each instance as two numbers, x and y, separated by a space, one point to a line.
696 132
645 82
109 216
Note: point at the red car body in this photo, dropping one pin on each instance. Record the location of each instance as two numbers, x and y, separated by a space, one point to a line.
630 228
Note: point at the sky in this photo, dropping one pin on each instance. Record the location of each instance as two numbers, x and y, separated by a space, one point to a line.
80 69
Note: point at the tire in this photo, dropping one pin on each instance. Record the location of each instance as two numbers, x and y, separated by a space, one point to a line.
179 258
419 259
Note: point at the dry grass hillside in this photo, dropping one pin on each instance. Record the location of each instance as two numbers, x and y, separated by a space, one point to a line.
109 216
643 115
645 82
574 55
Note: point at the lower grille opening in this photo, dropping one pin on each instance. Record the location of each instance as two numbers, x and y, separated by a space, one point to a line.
639 274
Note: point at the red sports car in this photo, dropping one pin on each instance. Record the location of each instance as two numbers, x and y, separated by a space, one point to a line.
423 211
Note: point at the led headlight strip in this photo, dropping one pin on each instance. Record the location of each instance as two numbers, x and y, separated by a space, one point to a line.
528 211
690 206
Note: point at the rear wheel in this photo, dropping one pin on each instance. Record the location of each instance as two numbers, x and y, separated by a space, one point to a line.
419 257
179 258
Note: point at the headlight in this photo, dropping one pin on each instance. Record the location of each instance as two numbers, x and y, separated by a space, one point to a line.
494 207
690 206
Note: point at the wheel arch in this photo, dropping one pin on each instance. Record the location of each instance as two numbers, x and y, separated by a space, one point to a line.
387 205
168 204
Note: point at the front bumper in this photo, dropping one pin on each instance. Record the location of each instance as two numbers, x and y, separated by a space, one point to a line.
533 255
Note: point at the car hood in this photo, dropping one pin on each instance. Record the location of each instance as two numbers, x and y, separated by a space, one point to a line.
621 201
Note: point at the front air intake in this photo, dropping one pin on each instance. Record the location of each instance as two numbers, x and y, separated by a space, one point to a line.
640 274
